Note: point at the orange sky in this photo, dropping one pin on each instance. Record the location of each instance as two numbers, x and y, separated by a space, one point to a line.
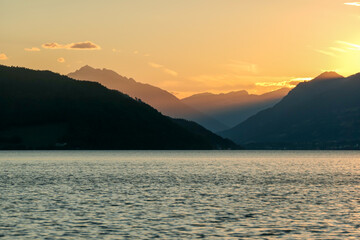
186 47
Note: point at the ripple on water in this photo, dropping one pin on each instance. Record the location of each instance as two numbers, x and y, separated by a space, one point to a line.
115 195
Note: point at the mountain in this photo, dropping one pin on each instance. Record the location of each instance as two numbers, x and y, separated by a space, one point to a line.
215 140
158 98
234 107
321 114
45 110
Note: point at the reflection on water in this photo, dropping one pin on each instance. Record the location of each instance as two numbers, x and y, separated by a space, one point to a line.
141 195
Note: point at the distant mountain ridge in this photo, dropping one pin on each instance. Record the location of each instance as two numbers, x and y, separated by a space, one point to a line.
158 98
320 114
45 110
234 107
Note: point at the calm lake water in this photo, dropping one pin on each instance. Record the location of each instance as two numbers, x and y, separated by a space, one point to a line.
179 195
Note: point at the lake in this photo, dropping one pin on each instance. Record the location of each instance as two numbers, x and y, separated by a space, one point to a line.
179 194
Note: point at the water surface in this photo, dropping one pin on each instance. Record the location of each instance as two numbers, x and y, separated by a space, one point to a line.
179 195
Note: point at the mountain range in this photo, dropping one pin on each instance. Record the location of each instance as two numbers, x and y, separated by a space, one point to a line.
45 110
216 112
320 114
234 107
156 97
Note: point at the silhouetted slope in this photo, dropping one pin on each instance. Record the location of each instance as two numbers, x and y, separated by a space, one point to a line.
158 98
41 109
215 140
234 107
323 113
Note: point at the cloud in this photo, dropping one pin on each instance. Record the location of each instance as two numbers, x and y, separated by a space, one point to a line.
171 72
338 49
163 68
3 56
287 83
53 46
33 49
357 4
84 45
61 60
325 52
351 46
155 65
87 45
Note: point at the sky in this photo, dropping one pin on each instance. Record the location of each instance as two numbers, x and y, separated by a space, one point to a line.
186 46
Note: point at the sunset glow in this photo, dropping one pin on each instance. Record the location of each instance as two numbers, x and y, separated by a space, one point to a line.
179 119
186 47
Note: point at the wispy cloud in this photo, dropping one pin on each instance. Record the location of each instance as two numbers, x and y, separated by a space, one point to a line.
87 45
357 4
171 72
33 49
61 60
351 46
288 83
53 45
155 65
342 47
3 56
325 52
338 49
163 68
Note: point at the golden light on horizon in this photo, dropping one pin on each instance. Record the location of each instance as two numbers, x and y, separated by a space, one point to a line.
186 47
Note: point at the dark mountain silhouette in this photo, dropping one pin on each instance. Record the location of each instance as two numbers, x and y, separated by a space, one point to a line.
234 107
327 76
44 110
321 114
158 98
215 140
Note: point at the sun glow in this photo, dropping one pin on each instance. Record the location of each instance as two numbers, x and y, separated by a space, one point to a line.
357 4
183 47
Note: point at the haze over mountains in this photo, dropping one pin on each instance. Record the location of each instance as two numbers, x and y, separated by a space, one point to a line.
44 110
158 98
214 112
234 107
321 114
